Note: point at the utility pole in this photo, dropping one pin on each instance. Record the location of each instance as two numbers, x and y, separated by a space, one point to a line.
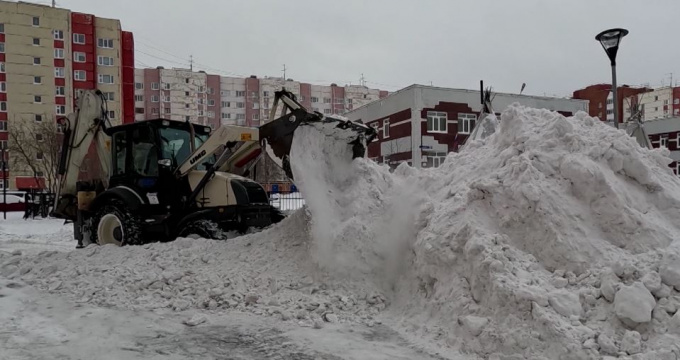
191 62
54 3
284 72
4 183
362 80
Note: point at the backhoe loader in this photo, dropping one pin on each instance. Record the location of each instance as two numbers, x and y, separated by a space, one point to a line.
160 179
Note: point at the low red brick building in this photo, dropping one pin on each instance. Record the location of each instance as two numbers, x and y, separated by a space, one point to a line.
426 123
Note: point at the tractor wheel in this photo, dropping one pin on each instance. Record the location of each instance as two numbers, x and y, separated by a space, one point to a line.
114 224
277 215
204 229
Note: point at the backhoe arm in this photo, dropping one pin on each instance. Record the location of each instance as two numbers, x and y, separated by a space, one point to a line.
81 129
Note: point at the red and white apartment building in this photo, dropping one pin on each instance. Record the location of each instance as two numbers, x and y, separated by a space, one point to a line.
47 56
196 96
426 123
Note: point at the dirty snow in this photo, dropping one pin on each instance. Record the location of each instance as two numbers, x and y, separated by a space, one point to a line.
552 238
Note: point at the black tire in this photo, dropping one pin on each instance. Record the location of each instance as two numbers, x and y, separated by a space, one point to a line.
277 215
131 229
206 229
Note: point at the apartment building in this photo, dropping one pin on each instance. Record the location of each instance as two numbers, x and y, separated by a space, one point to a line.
660 103
183 94
47 57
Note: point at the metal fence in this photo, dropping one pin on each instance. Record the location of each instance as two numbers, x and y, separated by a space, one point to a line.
286 201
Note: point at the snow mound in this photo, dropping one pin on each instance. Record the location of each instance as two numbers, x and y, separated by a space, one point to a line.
532 232
266 273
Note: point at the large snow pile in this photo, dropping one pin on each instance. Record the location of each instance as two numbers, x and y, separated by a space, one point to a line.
553 237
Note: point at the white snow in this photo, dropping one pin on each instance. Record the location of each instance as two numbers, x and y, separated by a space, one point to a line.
532 243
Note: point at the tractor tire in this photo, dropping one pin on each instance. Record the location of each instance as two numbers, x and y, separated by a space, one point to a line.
114 224
277 215
204 229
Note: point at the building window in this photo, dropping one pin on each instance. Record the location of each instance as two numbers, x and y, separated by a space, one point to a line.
211 114
436 159
3 144
105 79
3 87
167 110
79 57
105 43
2 47
225 93
38 118
58 53
201 101
210 91
201 113
37 80
610 111
466 123
59 72
186 106
187 118
58 34
155 86
139 86
665 102
2 28
3 126
61 109
139 97
80 75
326 100
186 93
226 104
166 86
36 41
105 60
256 116
60 91
240 93
676 101
154 98
240 116
39 155
79 39
226 116
139 110
211 102
326 111
36 61
386 128
2 67
36 21
656 98
154 111
436 121
39 137
112 114
664 141
240 105
37 99
3 106
109 96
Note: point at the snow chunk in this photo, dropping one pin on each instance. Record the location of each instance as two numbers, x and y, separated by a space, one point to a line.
195 320
634 304
473 324
652 281
670 270
565 303
631 342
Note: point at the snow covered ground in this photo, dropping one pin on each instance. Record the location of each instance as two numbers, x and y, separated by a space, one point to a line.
554 238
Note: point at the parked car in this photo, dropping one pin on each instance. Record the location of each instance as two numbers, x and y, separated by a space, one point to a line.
13 202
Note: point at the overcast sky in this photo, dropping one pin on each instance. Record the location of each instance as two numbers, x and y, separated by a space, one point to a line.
548 44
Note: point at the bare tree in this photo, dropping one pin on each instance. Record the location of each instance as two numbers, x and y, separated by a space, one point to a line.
35 146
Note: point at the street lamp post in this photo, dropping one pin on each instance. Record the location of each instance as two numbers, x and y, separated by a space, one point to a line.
610 40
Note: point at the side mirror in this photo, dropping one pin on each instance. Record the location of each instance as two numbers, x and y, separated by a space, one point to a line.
165 162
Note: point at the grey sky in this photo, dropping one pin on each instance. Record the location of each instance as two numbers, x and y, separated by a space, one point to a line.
548 44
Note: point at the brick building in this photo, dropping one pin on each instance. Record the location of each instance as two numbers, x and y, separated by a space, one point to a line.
663 102
601 102
48 55
426 123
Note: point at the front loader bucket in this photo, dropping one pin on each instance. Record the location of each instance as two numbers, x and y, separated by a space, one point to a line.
276 136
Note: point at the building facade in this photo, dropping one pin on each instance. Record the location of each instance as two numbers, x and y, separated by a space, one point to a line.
665 133
426 123
656 104
601 100
47 57
183 94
